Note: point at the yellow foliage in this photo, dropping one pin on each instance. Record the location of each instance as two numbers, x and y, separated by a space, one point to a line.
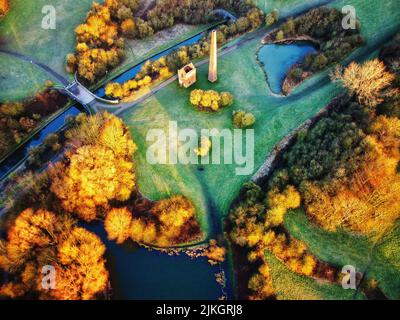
94 176
117 224
81 273
137 229
12 290
280 203
367 81
370 204
115 136
214 253
204 148
39 238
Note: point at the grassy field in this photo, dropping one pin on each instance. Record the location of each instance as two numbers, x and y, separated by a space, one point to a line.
289 285
240 74
21 30
285 6
379 262
276 117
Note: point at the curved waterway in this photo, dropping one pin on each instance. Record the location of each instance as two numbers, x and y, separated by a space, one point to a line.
138 273
56 125
278 59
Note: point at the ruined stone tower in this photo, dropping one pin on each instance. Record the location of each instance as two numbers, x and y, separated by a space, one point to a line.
213 67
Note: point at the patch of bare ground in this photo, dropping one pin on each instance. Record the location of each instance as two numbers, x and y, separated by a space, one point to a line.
143 46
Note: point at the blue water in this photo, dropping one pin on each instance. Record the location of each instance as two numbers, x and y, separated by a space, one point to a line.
139 274
278 59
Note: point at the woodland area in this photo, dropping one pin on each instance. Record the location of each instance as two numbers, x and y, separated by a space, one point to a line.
95 181
344 172
323 26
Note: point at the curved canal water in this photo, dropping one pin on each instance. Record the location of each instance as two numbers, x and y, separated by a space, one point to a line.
56 125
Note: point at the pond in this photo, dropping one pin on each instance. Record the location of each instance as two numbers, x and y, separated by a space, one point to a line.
278 59
139 274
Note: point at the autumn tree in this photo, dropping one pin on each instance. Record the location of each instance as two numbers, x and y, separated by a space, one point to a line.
210 100
367 81
94 176
177 220
279 204
40 238
81 271
100 170
242 119
4 7
118 224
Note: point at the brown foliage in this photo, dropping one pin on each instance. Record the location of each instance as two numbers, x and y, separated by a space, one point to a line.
367 81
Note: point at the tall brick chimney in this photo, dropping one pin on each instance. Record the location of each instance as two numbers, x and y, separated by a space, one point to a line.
213 67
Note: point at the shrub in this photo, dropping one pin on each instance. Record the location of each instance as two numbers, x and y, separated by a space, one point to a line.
242 119
210 100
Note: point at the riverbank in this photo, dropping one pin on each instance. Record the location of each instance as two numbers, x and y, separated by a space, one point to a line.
274 159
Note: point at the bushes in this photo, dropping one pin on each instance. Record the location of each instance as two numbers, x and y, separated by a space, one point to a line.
242 119
367 81
18 119
272 18
169 222
99 171
325 26
210 100
41 237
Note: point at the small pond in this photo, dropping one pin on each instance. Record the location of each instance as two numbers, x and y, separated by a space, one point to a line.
277 60
139 274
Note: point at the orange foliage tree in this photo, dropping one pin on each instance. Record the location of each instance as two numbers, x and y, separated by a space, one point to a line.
99 171
118 224
94 177
81 271
4 7
177 219
367 81
41 238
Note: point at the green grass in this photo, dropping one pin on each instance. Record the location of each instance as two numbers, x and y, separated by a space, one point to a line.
289 285
380 262
22 32
21 79
276 117
286 7
240 74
